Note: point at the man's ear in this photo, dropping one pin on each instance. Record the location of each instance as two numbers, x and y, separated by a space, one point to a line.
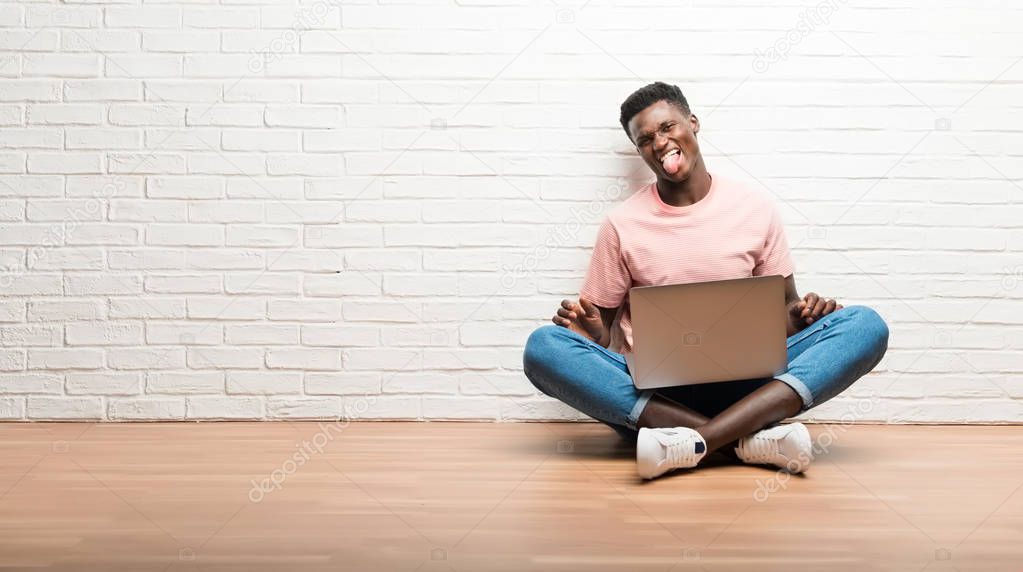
694 122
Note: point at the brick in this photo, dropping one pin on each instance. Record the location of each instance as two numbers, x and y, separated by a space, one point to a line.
219 357
61 358
173 382
58 408
31 383
263 383
103 334
146 409
304 408
103 383
303 358
12 408
224 408
145 358
342 383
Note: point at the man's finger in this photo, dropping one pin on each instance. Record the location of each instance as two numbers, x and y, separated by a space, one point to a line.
588 308
809 301
830 306
818 308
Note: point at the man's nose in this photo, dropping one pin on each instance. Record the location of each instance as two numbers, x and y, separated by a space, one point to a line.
660 141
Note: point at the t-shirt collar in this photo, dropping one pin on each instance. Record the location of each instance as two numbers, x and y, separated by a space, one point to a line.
663 207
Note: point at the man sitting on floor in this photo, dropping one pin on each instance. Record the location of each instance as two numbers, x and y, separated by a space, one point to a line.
690 225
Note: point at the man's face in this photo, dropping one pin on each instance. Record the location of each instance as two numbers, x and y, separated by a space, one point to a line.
661 129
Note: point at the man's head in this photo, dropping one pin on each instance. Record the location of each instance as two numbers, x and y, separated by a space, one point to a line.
658 121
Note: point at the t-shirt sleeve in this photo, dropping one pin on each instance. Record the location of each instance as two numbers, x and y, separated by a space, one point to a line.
608 279
775 257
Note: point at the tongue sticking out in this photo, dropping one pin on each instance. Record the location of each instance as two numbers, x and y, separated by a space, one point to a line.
671 163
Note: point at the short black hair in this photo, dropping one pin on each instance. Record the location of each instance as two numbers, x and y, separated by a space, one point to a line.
648 95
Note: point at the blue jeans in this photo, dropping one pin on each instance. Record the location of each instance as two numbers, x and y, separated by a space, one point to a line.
823 360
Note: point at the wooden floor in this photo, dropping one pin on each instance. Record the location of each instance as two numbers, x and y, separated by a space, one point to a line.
469 497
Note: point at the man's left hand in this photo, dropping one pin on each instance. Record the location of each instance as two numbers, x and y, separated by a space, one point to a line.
811 308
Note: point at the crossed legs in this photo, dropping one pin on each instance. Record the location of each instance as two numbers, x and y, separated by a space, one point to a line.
824 360
768 404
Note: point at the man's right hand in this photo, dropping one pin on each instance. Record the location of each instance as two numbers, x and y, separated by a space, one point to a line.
582 318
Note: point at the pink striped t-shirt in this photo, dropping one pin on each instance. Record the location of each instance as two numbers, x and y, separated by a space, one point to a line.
735 231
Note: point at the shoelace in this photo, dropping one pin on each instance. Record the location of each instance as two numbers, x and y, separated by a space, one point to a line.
679 451
758 449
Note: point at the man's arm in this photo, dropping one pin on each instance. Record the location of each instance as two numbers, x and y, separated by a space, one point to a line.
803 311
791 295
607 316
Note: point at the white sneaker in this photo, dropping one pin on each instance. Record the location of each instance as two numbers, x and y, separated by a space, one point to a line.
666 449
786 446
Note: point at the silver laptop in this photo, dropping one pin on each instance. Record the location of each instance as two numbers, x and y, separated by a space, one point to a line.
723 330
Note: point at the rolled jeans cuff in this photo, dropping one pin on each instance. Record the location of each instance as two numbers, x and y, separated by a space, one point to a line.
799 387
638 408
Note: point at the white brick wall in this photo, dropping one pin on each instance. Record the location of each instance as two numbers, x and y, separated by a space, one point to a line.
270 210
